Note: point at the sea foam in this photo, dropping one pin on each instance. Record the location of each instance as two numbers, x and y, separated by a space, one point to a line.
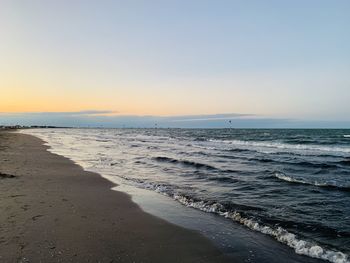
285 146
300 246
283 177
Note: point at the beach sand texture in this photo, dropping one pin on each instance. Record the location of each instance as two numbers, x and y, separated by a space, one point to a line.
51 210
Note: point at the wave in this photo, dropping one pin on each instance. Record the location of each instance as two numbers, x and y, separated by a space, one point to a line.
346 135
307 164
223 179
185 162
240 150
283 177
101 140
300 246
345 162
285 146
315 165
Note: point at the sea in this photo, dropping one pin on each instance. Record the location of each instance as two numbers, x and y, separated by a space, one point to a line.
292 185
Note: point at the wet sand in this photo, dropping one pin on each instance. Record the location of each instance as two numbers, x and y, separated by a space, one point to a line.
51 210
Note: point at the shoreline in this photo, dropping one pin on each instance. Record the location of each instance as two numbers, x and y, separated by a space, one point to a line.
54 211
228 237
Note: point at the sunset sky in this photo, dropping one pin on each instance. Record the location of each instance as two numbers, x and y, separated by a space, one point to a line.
262 59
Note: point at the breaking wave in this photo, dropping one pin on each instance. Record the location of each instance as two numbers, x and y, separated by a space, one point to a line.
300 246
329 185
286 146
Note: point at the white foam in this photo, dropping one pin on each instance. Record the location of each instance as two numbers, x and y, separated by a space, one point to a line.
300 246
346 135
284 177
285 146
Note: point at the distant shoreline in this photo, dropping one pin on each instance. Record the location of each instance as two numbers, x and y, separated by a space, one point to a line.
19 127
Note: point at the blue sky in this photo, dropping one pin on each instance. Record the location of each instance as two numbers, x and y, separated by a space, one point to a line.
280 60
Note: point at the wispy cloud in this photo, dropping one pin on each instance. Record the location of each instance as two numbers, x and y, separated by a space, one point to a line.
212 117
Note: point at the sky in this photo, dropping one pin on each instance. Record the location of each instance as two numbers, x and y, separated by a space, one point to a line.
136 63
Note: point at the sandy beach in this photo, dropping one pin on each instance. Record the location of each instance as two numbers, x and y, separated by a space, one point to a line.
54 211
175 131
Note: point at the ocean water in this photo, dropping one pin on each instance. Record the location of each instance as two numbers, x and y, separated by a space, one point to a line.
292 185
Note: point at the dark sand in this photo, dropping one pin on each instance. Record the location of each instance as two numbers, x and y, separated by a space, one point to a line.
51 210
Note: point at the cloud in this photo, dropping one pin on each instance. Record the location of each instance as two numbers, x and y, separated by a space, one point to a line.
212 117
